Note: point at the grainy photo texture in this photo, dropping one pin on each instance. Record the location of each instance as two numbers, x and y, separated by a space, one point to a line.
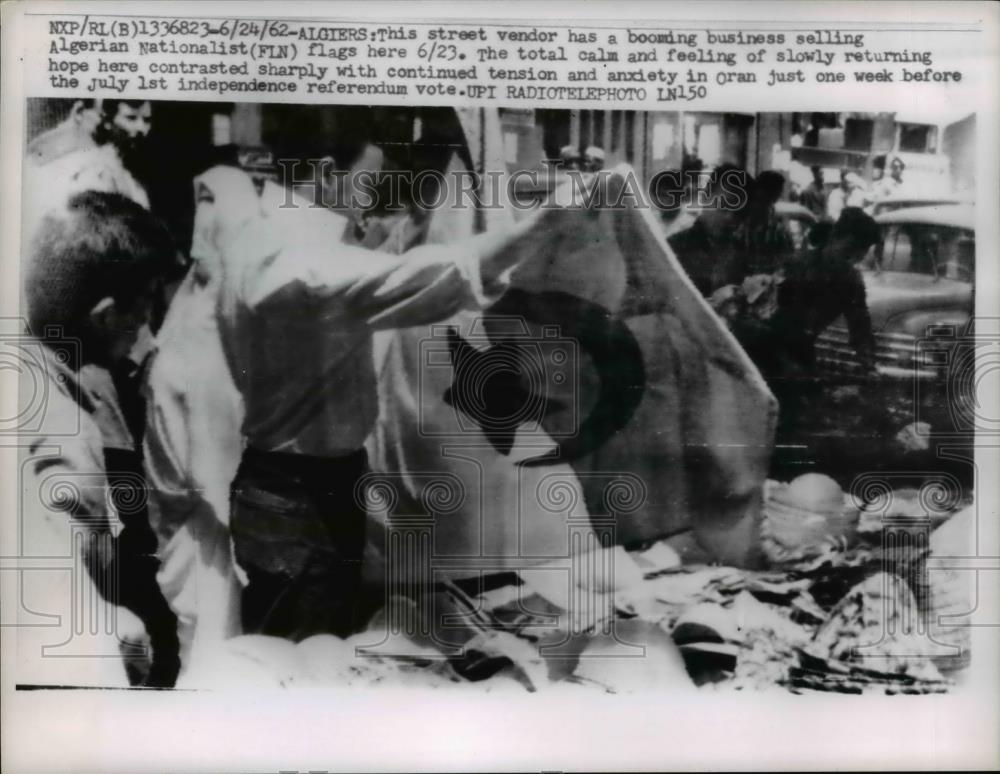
492 398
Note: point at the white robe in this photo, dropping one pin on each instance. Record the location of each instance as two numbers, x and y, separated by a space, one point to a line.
192 447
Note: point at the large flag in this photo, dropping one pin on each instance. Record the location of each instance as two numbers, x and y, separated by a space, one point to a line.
599 390
657 405
477 510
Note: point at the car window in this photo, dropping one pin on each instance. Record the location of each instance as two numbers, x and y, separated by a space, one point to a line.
960 260
798 230
896 249
939 251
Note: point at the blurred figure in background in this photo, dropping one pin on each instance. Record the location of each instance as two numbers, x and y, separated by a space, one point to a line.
762 239
826 285
814 196
892 185
708 250
75 132
593 159
65 160
569 157
851 192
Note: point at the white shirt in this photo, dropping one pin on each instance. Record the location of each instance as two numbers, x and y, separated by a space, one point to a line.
297 312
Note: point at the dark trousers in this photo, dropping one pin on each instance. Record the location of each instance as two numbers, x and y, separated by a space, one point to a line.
298 527
136 566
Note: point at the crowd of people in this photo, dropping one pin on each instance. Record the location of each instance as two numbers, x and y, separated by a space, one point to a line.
222 399
852 190
224 396
776 296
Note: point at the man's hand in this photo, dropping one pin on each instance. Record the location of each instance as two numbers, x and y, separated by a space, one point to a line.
494 257
914 437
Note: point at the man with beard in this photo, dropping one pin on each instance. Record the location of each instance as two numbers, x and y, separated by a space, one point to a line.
106 165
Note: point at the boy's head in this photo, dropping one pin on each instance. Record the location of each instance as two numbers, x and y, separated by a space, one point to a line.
765 193
94 271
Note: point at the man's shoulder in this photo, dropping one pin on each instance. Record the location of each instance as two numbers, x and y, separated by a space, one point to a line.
58 410
58 142
47 370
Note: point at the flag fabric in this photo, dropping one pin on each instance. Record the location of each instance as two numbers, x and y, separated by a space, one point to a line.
665 400
482 511
599 390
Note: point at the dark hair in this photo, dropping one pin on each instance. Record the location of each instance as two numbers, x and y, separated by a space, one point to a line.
769 185
98 245
856 227
819 234
691 163
109 107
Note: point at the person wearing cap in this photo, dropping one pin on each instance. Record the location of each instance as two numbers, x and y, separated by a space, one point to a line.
851 192
297 312
593 159
569 157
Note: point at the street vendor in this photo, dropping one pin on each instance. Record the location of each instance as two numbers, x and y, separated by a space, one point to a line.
297 311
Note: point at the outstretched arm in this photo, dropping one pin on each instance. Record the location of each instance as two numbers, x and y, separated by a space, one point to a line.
348 285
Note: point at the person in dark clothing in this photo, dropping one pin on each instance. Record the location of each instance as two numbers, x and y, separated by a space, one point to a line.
762 240
814 292
814 196
826 285
708 250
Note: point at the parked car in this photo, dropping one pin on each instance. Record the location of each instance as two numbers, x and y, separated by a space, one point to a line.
920 289
904 201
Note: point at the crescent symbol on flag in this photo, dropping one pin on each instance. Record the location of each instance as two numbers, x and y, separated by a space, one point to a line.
614 352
